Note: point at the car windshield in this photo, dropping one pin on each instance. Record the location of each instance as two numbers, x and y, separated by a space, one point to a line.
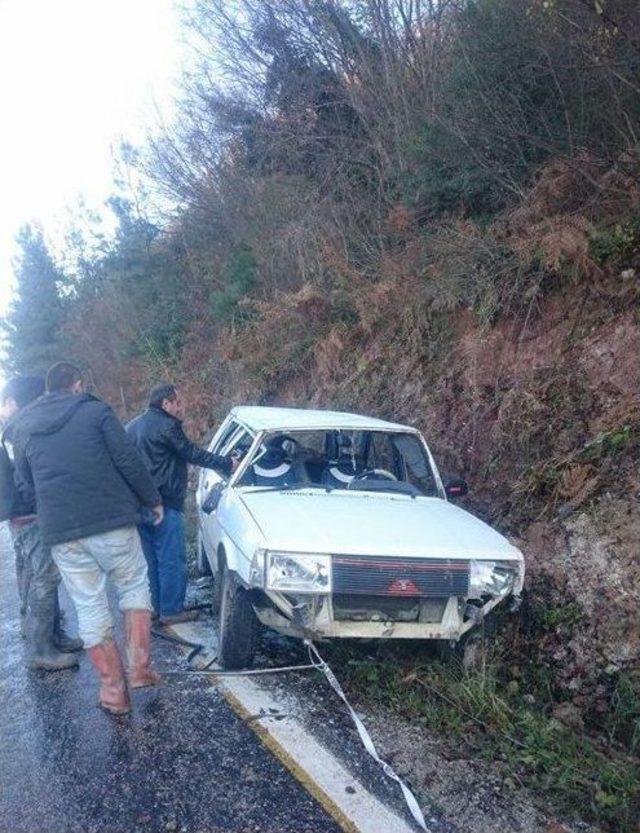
371 461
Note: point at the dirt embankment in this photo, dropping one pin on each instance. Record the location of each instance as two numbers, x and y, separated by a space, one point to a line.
516 348
542 418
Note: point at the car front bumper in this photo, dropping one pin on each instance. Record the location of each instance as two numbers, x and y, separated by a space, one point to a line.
312 617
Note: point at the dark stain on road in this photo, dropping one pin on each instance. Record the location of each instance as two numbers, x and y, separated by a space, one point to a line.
182 761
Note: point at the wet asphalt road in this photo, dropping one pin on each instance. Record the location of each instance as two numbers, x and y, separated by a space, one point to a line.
181 762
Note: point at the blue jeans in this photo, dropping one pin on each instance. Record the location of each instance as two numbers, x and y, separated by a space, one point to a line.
164 549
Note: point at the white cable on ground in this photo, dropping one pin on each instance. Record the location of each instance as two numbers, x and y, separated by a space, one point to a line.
319 664
247 672
365 737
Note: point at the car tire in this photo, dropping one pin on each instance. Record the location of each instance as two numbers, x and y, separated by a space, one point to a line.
238 625
472 651
218 578
202 562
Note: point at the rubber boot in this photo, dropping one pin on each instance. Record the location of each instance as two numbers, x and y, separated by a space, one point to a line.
114 696
137 624
62 640
43 653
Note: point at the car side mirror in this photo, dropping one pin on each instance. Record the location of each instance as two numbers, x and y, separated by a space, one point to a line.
212 498
456 488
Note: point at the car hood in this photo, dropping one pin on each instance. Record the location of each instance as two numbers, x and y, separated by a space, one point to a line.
359 523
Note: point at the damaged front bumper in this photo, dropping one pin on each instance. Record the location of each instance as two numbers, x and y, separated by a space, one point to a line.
312 616
315 595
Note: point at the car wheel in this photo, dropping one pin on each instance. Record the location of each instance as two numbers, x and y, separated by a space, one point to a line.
472 651
238 625
202 562
218 578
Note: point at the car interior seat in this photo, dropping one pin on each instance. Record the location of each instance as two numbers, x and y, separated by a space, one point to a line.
340 472
273 468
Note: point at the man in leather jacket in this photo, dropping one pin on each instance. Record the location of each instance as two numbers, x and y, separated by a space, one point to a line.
166 450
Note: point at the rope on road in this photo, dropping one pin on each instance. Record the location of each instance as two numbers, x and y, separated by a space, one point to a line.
365 737
319 664
196 647
247 672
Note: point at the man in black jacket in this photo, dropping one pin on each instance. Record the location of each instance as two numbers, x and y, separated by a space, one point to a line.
159 436
89 482
48 647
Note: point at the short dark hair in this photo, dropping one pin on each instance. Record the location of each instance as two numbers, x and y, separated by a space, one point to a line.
62 376
24 389
160 393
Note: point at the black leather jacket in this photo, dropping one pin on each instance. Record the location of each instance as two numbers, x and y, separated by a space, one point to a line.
166 451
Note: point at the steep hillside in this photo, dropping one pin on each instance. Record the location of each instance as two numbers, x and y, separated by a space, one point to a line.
530 390
538 406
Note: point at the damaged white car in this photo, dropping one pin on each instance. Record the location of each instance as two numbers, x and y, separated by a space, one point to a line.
339 525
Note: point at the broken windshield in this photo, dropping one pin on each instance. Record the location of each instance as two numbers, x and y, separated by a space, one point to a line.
355 460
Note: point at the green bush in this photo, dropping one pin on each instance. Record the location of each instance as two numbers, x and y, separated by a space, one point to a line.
615 245
239 279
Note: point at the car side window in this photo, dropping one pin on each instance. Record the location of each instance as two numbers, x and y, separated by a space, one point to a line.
239 443
222 441
415 463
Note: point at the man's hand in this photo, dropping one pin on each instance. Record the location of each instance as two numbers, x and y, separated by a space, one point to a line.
235 462
158 514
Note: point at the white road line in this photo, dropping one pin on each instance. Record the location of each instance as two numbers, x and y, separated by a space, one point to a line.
364 812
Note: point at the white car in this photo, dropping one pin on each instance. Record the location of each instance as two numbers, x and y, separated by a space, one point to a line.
338 525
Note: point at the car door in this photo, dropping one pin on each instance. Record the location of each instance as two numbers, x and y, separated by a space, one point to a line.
206 479
235 438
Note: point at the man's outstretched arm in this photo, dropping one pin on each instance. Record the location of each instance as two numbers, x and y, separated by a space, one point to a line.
192 453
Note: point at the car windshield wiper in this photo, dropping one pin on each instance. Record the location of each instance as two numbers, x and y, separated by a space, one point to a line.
386 487
291 487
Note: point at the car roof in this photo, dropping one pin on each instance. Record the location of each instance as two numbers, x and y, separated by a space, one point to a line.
260 418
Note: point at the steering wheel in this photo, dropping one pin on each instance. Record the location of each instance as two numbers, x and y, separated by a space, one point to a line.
375 474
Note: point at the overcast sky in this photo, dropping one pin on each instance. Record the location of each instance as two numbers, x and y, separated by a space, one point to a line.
76 77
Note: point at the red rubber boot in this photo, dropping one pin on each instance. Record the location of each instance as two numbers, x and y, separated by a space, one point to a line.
137 624
113 688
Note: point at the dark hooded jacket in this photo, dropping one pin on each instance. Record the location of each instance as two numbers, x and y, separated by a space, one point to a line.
166 451
12 503
73 456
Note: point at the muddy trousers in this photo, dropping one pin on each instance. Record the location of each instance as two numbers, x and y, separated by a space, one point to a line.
23 563
38 580
87 563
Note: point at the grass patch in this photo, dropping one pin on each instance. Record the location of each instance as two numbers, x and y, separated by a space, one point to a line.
622 722
616 244
482 715
566 616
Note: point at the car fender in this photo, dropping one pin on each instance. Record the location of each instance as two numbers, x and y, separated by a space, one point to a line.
234 558
240 536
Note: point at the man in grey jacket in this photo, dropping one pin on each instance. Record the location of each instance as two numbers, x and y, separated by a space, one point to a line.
89 482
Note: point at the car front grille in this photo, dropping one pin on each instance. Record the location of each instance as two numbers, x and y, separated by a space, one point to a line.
400 577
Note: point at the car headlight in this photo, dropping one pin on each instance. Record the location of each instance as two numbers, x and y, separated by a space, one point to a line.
491 578
297 572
